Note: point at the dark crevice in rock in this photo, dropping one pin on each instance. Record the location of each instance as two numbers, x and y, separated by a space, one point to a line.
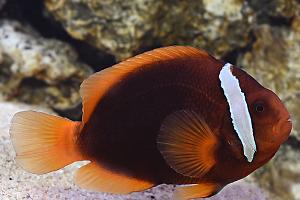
267 13
92 56
72 113
147 47
33 13
279 21
293 142
33 83
232 56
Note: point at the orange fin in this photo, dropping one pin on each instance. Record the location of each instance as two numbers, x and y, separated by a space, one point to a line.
201 190
187 143
43 143
93 88
94 177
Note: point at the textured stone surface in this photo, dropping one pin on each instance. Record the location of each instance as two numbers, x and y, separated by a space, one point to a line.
126 27
207 24
113 25
281 176
275 8
18 184
38 70
274 61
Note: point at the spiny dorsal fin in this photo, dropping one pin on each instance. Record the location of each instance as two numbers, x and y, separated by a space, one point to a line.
93 88
95 177
187 143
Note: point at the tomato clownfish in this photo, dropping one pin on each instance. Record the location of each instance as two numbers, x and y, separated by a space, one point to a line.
172 115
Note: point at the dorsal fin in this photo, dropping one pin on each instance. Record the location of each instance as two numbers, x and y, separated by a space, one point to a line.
93 88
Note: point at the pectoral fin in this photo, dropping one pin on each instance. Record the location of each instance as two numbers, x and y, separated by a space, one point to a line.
95 177
201 190
187 143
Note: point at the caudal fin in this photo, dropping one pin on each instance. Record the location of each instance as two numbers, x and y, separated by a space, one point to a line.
43 142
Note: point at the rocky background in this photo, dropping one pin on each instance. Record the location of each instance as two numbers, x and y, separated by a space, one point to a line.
48 47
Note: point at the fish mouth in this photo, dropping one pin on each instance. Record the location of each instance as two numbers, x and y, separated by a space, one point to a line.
284 128
289 121
280 133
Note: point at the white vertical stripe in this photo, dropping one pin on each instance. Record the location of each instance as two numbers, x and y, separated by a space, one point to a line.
238 110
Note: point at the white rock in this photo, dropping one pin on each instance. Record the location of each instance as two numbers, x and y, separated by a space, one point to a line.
230 9
26 55
296 191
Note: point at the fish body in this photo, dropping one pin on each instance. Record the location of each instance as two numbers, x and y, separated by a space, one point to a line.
127 121
160 117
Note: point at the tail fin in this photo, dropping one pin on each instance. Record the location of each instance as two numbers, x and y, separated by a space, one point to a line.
44 143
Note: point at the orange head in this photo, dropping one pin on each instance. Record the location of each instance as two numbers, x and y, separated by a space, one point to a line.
270 120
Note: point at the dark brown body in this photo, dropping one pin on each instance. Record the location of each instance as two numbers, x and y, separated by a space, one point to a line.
122 131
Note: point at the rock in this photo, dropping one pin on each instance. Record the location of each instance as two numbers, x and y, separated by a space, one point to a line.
217 26
295 190
241 190
115 26
124 28
281 176
274 62
18 184
38 70
275 8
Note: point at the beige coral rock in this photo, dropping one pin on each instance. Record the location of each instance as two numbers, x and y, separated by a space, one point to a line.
113 25
38 70
275 8
274 61
125 28
216 26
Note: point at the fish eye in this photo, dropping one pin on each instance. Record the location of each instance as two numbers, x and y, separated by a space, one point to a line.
259 107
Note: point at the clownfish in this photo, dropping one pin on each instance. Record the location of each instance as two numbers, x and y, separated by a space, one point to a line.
173 115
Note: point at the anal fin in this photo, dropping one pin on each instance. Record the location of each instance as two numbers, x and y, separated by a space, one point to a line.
201 190
95 177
